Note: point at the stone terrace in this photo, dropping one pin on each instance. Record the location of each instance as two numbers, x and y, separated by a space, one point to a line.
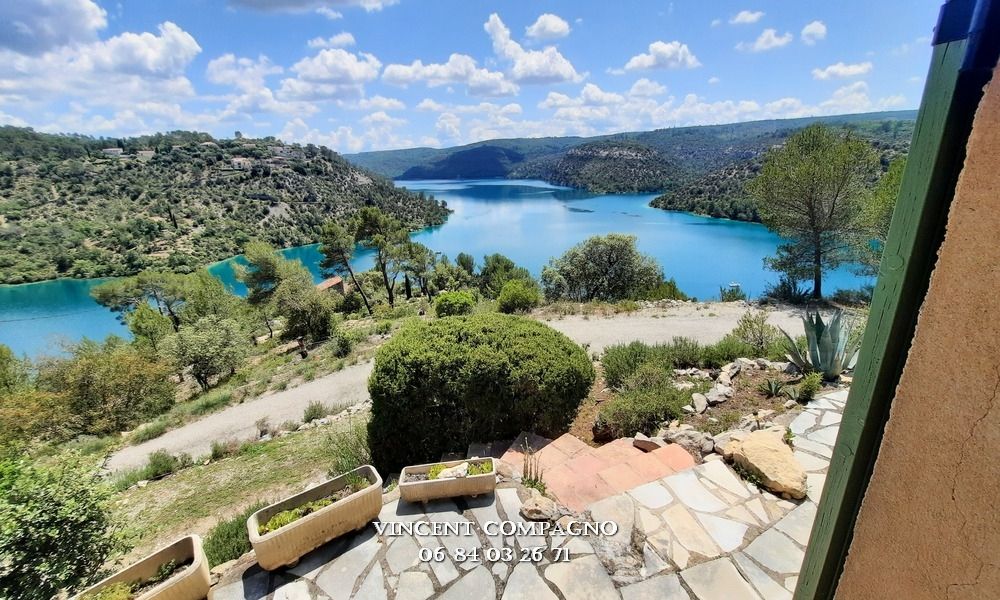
705 535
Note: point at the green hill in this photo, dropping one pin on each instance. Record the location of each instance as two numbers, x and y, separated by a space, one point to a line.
70 208
606 166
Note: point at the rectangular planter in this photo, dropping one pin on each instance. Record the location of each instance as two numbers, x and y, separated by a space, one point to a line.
284 546
432 489
191 583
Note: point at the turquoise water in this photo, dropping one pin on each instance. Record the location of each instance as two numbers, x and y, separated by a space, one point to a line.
529 221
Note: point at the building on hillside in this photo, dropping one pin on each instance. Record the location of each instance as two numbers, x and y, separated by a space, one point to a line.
286 152
336 282
112 151
241 163
145 154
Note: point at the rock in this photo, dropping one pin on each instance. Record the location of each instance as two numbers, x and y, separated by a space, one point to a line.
712 457
790 369
764 413
724 378
688 408
763 363
707 445
683 385
689 439
540 508
504 471
790 404
746 363
323 421
766 454
727 438
719 394
265 438
647 444
457 471
700 402
142 483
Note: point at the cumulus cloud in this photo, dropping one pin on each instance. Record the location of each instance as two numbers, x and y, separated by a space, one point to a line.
302 6
342 138
341 40
713 80
746 17
460 68
767 40
646 88
529 66
329 13
547 27
380 103
813 32
841 69
664 55
37 27
716 22
332 73
242 73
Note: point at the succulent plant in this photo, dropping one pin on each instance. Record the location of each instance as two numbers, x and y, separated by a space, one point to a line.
829 349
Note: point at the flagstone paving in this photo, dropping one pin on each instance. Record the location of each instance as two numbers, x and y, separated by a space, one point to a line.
699 533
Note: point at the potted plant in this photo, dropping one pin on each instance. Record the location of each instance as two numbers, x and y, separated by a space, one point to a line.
285 531
420 483
176 572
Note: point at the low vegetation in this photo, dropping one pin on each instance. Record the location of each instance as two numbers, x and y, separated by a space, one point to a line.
352 483
228 540
831 347
456 380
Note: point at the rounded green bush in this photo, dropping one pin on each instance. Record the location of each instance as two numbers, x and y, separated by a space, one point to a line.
518 295
449 304
440 385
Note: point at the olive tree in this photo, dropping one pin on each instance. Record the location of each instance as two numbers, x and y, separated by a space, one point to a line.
605 268
211 346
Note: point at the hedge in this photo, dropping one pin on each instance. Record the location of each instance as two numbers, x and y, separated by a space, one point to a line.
439 385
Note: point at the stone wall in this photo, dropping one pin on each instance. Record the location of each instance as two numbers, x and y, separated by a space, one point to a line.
929 526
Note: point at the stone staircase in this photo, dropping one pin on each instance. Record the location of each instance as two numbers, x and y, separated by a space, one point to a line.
578 475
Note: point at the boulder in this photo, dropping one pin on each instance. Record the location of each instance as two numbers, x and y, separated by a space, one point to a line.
765 453
683 385
790 368
457 471
690 439
688 408
790 404
647 444
726 438
746 363
763 363
540 508
719 394
700 402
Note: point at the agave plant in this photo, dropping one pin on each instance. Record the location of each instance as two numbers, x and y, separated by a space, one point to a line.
771 387
830 349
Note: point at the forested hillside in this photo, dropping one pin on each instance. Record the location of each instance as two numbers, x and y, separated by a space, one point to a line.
81 207
604 167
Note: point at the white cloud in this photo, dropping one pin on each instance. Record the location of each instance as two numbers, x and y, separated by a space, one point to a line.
331 73
529 66
302 6
460 68
664 55
241 73
713 80
813 32
646 88
768 40
894 101
509 109
746 17
37 27
547 27
341 40
11 120
842 69
716 22
342 138
381 103
329 13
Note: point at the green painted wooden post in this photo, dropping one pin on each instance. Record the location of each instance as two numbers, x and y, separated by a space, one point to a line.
936 156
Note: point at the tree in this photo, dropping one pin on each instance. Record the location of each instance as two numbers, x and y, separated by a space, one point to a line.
212 346
56 528
388 237
165 290
110 386
205 295
337 246
605 268
148 326
419 263
13 372
498 270
467 262
808 191
875 216
518 295
263 272
308 312
448 276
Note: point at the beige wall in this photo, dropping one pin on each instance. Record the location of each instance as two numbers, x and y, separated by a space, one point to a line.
930 522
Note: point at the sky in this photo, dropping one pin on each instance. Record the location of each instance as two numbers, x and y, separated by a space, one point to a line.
358 75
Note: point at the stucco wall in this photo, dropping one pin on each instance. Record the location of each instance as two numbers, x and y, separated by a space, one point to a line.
929 526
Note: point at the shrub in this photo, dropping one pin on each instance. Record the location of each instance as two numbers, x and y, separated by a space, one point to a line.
724 351
811 383
149 431
482 377
518 295
685 352
607 268
731 294
228 540
649 375
450 304
860 297
622 360
56 529
223 449
350 448
640 410
314 410
161 463
830 345
753 330
664 290
788 291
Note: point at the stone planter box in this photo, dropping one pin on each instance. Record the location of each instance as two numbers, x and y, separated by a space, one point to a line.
284 546
433 489
190 583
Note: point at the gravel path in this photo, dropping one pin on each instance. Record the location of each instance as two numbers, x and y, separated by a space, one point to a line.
342 388
350 385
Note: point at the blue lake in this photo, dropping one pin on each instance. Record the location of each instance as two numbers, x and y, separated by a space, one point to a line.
529 221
